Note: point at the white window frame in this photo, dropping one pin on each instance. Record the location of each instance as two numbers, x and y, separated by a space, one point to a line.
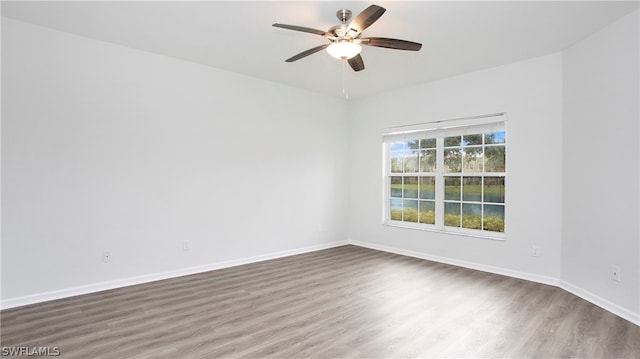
439 130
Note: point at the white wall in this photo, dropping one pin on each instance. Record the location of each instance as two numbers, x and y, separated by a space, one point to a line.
530 92
110 148
105 147
601 166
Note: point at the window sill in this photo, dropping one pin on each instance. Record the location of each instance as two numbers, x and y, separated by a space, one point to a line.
498 236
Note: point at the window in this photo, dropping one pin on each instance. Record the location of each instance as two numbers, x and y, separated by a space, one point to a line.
449 179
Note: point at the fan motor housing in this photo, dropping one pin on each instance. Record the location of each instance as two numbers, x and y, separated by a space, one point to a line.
338 31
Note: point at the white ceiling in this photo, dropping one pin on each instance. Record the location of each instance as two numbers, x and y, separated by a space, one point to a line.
237 36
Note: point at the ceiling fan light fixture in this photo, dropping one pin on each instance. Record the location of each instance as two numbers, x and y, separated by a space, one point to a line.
345 39
344 50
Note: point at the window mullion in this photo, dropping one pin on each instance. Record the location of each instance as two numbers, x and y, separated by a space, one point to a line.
439 182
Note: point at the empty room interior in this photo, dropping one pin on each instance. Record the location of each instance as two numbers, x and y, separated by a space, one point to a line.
419 179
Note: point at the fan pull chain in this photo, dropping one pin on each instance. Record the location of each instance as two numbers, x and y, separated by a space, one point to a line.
344 80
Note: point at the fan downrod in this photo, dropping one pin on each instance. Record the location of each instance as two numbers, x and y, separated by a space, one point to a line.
343 15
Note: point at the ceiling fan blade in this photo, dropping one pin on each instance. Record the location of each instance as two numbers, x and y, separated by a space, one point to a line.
307 53
366 18
391 43
302 28
356 63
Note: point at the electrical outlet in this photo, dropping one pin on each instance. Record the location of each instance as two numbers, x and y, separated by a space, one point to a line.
186 245
616 275
106 256
535 251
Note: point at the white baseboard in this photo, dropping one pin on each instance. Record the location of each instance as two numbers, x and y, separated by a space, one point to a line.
584 294
601 302
460 263
119 283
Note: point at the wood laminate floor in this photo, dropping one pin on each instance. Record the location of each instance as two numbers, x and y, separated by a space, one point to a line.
343 302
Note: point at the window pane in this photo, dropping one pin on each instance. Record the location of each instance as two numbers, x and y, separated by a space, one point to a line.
395 189
411 162
410 210
452 214
471 216
398 146
493 218
452 188
494 189
470 140
495 137
427 187
427 161
413 144
452 160
396 162
494 159
410 188
395 209
428 143
427 212
453 141
473 159
472 189
397 155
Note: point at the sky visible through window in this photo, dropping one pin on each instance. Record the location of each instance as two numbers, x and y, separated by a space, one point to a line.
499 137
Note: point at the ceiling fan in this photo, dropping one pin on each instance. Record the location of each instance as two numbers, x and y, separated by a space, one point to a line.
345 39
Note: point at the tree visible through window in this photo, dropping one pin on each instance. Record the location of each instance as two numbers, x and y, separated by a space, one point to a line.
412 181
451 180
